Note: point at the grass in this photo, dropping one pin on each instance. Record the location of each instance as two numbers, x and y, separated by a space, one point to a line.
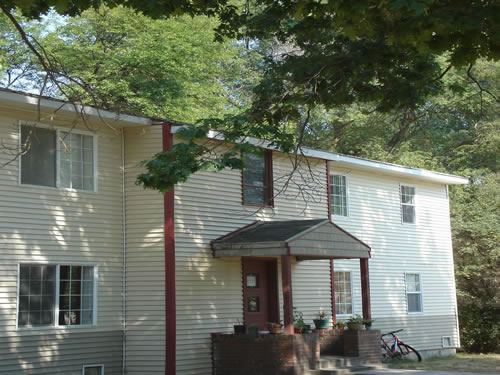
460 362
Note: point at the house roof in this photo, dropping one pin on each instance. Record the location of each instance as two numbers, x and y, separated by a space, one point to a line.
306 239
32 102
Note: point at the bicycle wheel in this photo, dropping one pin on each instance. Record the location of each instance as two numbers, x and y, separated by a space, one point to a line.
408 352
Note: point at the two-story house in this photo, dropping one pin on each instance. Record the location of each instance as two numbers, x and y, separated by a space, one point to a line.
99 276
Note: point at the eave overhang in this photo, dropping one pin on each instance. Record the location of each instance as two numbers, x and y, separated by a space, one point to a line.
305 239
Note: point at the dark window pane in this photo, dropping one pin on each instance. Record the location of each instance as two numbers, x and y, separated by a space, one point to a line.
46 317
24 272
49 273
75 302
75 287
254 161
64 272
408 214
69 318
36 272
24 303
76 273
35 319
47 302
38 164
35 302
64 303
23 319
48 287
254 195
94 370
65 287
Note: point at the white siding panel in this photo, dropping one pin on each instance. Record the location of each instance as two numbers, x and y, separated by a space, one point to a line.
145 281
209 291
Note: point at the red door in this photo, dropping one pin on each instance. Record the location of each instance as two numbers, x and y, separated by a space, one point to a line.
260 294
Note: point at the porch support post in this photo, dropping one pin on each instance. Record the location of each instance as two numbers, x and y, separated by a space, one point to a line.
286 279
365 288
332 289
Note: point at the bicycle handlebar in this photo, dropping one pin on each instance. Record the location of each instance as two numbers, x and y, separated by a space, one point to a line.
392 333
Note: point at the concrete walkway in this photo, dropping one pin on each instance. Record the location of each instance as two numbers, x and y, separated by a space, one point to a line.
421 372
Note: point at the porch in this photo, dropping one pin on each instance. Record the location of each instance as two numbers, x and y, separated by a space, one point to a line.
259 245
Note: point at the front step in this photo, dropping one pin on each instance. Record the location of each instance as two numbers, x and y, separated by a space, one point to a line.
336 365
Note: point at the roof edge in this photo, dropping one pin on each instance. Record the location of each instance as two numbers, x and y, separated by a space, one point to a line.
354 161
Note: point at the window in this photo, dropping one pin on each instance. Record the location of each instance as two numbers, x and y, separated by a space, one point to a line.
338 195
257 179
56 295
446 341
93 370
343 293
414 293
407 194
57 158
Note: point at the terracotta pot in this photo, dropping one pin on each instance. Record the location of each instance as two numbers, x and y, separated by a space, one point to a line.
274 328
298 330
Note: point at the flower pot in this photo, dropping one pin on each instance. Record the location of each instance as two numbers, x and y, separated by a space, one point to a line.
274 328
253 330
240 329
368 326
355 326
298 330
320 323
341 328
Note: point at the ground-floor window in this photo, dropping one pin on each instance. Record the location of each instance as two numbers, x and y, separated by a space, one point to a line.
343 292
56 295
93 370
414 292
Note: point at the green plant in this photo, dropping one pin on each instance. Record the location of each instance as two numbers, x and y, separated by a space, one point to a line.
340 324
298 318
355 319
368 321
321 315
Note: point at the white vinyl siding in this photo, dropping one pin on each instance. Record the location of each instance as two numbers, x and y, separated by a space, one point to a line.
343 293
338 195
45 225
408 212
414 299
57 158
145 273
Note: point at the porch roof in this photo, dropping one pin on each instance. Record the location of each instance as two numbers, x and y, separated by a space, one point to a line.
305 239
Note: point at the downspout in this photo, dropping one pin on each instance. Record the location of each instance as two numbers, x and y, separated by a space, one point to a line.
124 259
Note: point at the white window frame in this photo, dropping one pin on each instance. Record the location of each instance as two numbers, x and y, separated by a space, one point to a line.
444 339
333 173
56 307
58 130
421 293
352 295
401 204
88 366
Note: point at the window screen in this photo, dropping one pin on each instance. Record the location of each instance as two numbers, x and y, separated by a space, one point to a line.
257 184
76 295
38 163
76 161
36 295
414 292
408 204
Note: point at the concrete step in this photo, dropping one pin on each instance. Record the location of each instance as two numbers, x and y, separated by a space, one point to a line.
340 370
330 362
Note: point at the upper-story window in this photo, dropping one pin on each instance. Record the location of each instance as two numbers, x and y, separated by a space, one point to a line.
407 194
257 179
338 194
57 158
56 295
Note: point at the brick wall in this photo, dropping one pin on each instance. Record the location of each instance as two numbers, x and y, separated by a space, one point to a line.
331 341
363 343
264 354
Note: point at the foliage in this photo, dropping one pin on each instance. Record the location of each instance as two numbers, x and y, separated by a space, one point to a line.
355 319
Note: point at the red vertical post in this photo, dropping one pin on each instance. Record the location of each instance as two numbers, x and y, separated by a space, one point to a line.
332 288
328 190
169 236
286 280
365 288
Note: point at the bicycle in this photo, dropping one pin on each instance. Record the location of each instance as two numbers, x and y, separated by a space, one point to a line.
395 348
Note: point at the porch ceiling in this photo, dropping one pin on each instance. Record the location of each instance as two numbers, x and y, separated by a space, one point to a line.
306 239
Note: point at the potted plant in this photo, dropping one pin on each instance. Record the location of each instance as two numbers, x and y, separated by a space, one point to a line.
321 320
368 323
274 327
355 322
298 321
240 328
253 329
340 325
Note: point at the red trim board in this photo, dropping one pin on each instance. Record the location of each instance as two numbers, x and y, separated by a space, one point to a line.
169 236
